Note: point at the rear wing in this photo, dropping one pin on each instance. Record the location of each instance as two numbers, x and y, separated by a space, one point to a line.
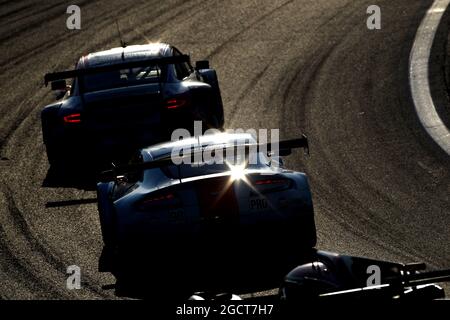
118 66
394 286
285 148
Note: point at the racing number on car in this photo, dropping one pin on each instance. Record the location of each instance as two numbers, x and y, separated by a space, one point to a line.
258 204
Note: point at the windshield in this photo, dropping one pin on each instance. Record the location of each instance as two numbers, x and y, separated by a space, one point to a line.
199 168
121 78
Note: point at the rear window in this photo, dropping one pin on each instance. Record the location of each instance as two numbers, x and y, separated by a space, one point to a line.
198 169
121 78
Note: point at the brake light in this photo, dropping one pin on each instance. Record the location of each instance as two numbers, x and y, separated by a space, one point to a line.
175 103
268 185
156 199
72 118
269 181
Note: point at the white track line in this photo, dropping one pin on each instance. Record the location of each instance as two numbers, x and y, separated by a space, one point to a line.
419 75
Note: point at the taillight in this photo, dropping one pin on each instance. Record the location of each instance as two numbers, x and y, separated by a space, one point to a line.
175 103
72 118
270 184
159 200
168 196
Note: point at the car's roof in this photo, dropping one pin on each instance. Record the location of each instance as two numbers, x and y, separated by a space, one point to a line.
163 149
129 53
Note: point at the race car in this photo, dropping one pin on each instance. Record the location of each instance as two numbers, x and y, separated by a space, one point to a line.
333 277
159 215
127 98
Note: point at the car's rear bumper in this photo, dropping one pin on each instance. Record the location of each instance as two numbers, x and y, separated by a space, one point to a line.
224 261
251 243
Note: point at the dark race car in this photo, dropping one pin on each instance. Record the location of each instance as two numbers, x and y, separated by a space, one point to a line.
158 217
332 277
127 98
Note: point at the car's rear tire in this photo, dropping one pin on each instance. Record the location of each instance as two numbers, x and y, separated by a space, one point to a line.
137 286
210 78
136 277
212 123
311 231
54 156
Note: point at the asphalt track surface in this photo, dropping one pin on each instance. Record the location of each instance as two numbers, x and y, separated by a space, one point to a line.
380 186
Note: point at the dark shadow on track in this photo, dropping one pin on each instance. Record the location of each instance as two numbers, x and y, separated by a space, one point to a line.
178 277
64 177
74 202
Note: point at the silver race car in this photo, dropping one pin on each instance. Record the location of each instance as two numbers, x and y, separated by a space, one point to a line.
158 217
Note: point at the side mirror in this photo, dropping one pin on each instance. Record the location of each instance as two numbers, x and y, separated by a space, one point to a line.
202 64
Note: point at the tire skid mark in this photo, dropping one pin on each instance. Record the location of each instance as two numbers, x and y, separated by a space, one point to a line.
33 14
21 223
20 271
30 52
38 23
33 51
370 219
297 72
20 116
254 81
2 3
39 48
380 227
12 265
377 225
312 70
342 221
189 4
252 84
245 29
328 51
106 21
14 11
305 96
338 13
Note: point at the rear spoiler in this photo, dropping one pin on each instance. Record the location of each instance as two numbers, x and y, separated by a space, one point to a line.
393 286
285 148
118 66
